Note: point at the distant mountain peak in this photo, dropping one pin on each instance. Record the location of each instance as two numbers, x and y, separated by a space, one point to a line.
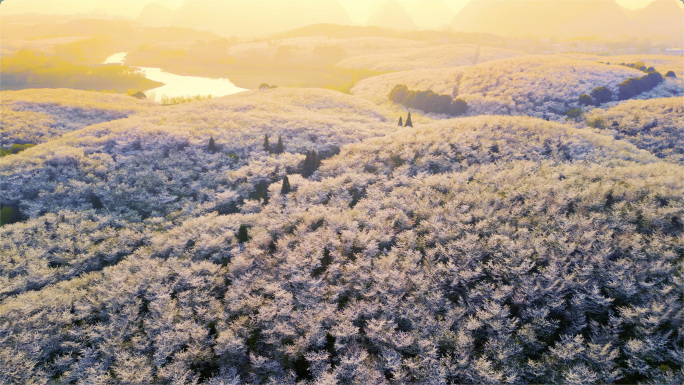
390 14
567 18
429 14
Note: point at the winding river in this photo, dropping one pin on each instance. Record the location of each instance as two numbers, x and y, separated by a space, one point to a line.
178 85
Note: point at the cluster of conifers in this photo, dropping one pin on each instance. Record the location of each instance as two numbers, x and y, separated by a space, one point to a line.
311 163
428 101
627 89
409 122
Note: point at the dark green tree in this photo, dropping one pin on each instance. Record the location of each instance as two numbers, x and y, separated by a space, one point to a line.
629 88
586 100
575 114
242 234
459 107
440 104
9 214
95 201
401 122
427 101
267 146
634 86
408 123
325 260
601 95
211 147
653 79
260 191
315 160
399 94
311 163
279 148
286 186
306 168
15 149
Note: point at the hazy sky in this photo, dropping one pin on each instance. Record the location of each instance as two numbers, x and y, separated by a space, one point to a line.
223 16
359 10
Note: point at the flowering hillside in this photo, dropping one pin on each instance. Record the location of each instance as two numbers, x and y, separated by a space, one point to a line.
476 250
36 116
529 85
455 145
662 63
439 80
160 164
656 125
428 57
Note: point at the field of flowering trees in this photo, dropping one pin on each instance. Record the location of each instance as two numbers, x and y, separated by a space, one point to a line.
541 86
299 236
654 124
37 116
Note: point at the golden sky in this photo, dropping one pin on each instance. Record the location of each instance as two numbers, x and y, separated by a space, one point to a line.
358 9
214 15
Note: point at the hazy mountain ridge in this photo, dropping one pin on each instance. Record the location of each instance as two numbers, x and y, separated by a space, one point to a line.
661 19
428 57
157 15
238 16
429 14
390 14
570 18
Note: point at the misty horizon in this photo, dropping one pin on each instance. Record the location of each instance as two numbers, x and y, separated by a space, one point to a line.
264 17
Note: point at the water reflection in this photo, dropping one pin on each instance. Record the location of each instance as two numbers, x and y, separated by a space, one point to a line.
179 85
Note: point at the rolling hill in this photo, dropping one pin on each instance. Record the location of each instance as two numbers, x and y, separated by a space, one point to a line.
37 116
654 125
526 85
103 156
486 249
